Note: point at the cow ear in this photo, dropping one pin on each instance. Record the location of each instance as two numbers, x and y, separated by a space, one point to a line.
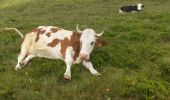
100 42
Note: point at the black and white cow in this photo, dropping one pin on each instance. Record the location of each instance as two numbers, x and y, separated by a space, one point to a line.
136 8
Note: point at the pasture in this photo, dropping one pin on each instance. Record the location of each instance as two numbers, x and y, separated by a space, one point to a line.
134 66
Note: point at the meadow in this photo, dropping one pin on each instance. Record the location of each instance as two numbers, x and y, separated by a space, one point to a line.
135 65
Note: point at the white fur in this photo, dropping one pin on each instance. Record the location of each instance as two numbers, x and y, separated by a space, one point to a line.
87 37
139 6
28 58
69 62
120 11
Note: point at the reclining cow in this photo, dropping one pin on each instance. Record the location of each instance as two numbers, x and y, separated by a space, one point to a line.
57 43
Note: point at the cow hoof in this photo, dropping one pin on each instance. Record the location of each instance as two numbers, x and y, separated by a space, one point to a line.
23 64
17 68
97 74
67 77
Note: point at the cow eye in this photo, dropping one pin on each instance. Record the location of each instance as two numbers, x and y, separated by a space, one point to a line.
92 43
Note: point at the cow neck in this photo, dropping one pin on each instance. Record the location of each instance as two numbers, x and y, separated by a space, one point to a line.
75 43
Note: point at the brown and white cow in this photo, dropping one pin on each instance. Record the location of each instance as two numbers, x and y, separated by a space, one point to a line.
57 43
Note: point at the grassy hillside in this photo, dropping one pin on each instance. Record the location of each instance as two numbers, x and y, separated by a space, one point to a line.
134 66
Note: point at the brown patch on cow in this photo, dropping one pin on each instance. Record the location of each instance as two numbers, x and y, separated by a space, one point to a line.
75 43
36 30
38 34
53 30
53 43
48 34
64 46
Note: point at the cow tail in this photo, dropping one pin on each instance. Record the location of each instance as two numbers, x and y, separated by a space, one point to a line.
15 30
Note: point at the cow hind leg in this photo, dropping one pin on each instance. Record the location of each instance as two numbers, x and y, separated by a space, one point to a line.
27 59
20 60
22 55
89 66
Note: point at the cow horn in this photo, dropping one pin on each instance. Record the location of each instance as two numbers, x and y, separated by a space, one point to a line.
100 34
78 30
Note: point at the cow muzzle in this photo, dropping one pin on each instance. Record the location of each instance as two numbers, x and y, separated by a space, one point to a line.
84 57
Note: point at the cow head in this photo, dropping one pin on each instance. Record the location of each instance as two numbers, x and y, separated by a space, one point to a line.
88 40
140 6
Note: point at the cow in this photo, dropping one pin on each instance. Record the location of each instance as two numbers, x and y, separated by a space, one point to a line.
57 43
136 8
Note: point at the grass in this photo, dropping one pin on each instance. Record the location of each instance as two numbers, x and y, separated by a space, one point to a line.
135 65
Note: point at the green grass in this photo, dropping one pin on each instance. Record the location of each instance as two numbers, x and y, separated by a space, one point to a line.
134 66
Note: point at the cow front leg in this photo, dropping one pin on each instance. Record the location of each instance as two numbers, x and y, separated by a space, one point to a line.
69 62
67 74
89 66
